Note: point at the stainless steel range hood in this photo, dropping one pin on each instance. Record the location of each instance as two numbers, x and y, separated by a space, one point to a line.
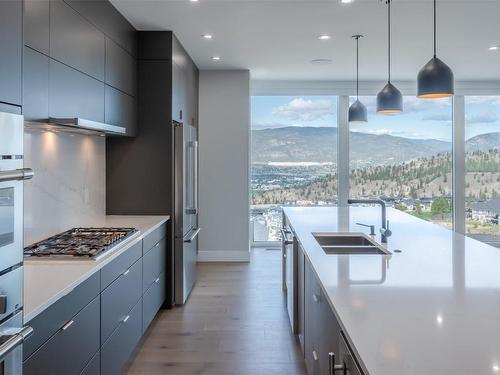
85 126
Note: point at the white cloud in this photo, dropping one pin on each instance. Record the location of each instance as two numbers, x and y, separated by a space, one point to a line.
438 117
300 109
381 132
483 118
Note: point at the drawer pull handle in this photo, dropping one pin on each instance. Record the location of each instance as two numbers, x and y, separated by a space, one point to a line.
126 272
67 325
126 318
315 356
157 280
158 244
315 298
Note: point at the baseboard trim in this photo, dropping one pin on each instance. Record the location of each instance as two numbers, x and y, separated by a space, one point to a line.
223 256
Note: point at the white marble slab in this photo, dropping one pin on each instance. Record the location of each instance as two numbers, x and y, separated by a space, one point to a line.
46 281
436 311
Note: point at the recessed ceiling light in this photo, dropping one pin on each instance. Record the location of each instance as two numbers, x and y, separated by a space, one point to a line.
346 1
216 58
207 36
324 37
494 48
193 1
321 61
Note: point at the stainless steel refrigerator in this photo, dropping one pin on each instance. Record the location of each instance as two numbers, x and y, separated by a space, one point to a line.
12 174
185 222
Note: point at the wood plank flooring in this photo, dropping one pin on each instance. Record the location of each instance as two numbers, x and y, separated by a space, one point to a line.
234 322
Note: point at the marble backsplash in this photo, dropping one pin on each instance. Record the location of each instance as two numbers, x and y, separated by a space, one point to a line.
69 185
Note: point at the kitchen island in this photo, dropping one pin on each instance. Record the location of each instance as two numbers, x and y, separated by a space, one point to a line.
432 306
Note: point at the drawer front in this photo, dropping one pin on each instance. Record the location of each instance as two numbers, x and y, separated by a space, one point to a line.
118 266
11 285
119 298
152 301
71 348
75 41
117 350
153 264
154 237
57 315
94 366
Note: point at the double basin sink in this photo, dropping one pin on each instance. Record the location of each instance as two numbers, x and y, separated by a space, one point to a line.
349 244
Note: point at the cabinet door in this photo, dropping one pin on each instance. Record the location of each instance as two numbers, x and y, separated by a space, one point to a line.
300 297
36 86
37 25
75 41
120 110
120 68
329 335
311 318
11 47
74 94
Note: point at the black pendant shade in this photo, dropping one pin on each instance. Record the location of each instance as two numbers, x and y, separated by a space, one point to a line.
435 80
358 112
389 100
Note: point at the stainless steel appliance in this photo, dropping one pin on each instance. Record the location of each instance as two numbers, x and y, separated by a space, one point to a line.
12 174
80 243
185 223
289 249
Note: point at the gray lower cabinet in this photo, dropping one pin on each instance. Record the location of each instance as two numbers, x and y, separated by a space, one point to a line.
11 51
69 349
152 300
300 297
120 265
119 298
153 263
94 366
116 351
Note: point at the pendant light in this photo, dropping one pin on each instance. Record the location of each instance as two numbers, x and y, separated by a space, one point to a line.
435 80
390 99
357 111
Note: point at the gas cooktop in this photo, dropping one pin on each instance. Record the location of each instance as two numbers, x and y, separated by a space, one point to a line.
80 243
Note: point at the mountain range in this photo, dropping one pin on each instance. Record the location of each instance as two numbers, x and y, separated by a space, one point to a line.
319 144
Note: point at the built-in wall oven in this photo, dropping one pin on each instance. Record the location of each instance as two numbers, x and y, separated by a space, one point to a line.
12 175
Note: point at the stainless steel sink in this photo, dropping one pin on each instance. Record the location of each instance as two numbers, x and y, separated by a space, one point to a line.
348 243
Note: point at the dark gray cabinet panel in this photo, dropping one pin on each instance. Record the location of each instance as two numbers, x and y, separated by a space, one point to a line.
116 351
153 238
155 45
120 68
36 86
152 300
311 316
118 298
154 263
37 25
11 50
56 316
74 94
120 109
94 366
120 265
71 348
300 297
105 17
75 41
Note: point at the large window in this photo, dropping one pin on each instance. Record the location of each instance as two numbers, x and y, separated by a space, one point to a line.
405 159
482 163
293 156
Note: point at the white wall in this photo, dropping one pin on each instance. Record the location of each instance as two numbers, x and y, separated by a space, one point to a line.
224 137
68 189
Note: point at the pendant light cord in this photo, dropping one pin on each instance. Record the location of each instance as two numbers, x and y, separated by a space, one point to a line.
389 38
435 33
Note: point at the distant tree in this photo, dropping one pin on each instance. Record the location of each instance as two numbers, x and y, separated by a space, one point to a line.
440 206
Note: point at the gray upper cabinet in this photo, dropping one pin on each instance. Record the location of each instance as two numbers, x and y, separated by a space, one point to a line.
37 25
11 47
36 85
75 41
74 94
120 110
120 68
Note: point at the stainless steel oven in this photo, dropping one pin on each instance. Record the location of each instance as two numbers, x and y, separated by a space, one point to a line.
12 175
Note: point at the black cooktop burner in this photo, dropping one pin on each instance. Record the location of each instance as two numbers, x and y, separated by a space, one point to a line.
80 242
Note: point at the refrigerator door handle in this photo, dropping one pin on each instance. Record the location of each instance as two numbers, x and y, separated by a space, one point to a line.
193 235
14 341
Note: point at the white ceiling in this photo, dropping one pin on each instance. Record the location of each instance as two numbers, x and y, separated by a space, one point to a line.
277 39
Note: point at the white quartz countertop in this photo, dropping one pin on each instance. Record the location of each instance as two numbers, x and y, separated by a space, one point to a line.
432 309
46 281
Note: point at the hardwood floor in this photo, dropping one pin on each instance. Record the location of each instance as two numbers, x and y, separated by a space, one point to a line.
234 322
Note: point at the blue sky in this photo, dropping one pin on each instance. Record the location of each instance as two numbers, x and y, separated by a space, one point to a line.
421 118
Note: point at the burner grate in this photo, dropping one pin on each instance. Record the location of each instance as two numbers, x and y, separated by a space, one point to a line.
79 242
